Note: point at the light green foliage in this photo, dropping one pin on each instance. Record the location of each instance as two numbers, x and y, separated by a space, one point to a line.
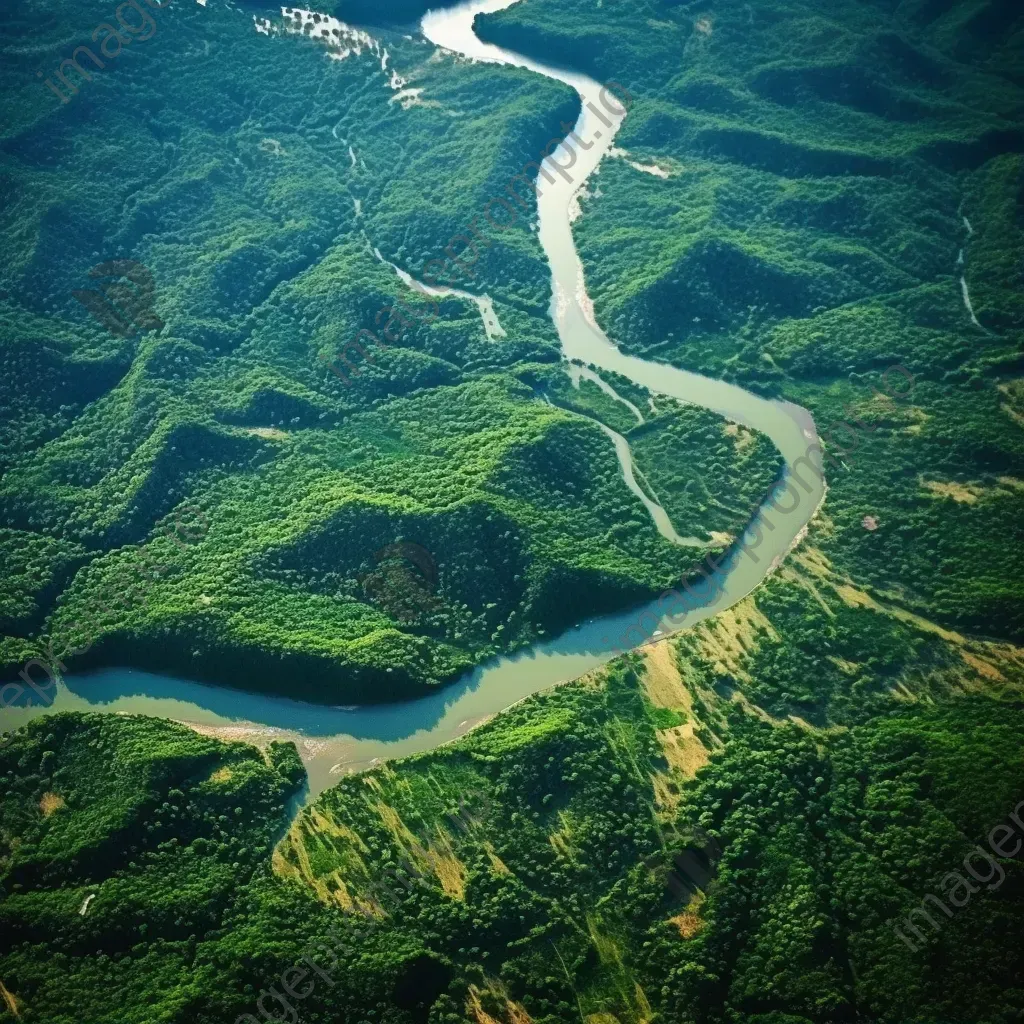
716 486
722 485
556 832
30 564
148 827
255 191
833 173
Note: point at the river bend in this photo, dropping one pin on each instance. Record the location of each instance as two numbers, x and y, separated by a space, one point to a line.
336 740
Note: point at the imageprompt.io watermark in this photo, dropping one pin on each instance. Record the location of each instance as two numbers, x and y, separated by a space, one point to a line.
295 983
689 594
106 36
958 889
405 582
396 318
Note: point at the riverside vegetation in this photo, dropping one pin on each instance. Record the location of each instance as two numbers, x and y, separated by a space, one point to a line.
844 735
259 231
818 211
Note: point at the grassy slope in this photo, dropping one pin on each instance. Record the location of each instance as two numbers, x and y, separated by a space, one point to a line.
537 869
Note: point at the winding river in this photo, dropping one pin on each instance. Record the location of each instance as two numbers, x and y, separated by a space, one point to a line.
336 740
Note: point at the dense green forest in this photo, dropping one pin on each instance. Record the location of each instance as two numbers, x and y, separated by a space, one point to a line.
256 218
747 823
840 183
646 844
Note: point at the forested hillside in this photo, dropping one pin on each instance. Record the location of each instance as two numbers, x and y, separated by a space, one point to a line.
659 841
827 204
803 810
280 390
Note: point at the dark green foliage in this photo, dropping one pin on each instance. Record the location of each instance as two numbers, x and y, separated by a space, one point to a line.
827 845
254 191
834 175
148 827
725 474
590 855
535 838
